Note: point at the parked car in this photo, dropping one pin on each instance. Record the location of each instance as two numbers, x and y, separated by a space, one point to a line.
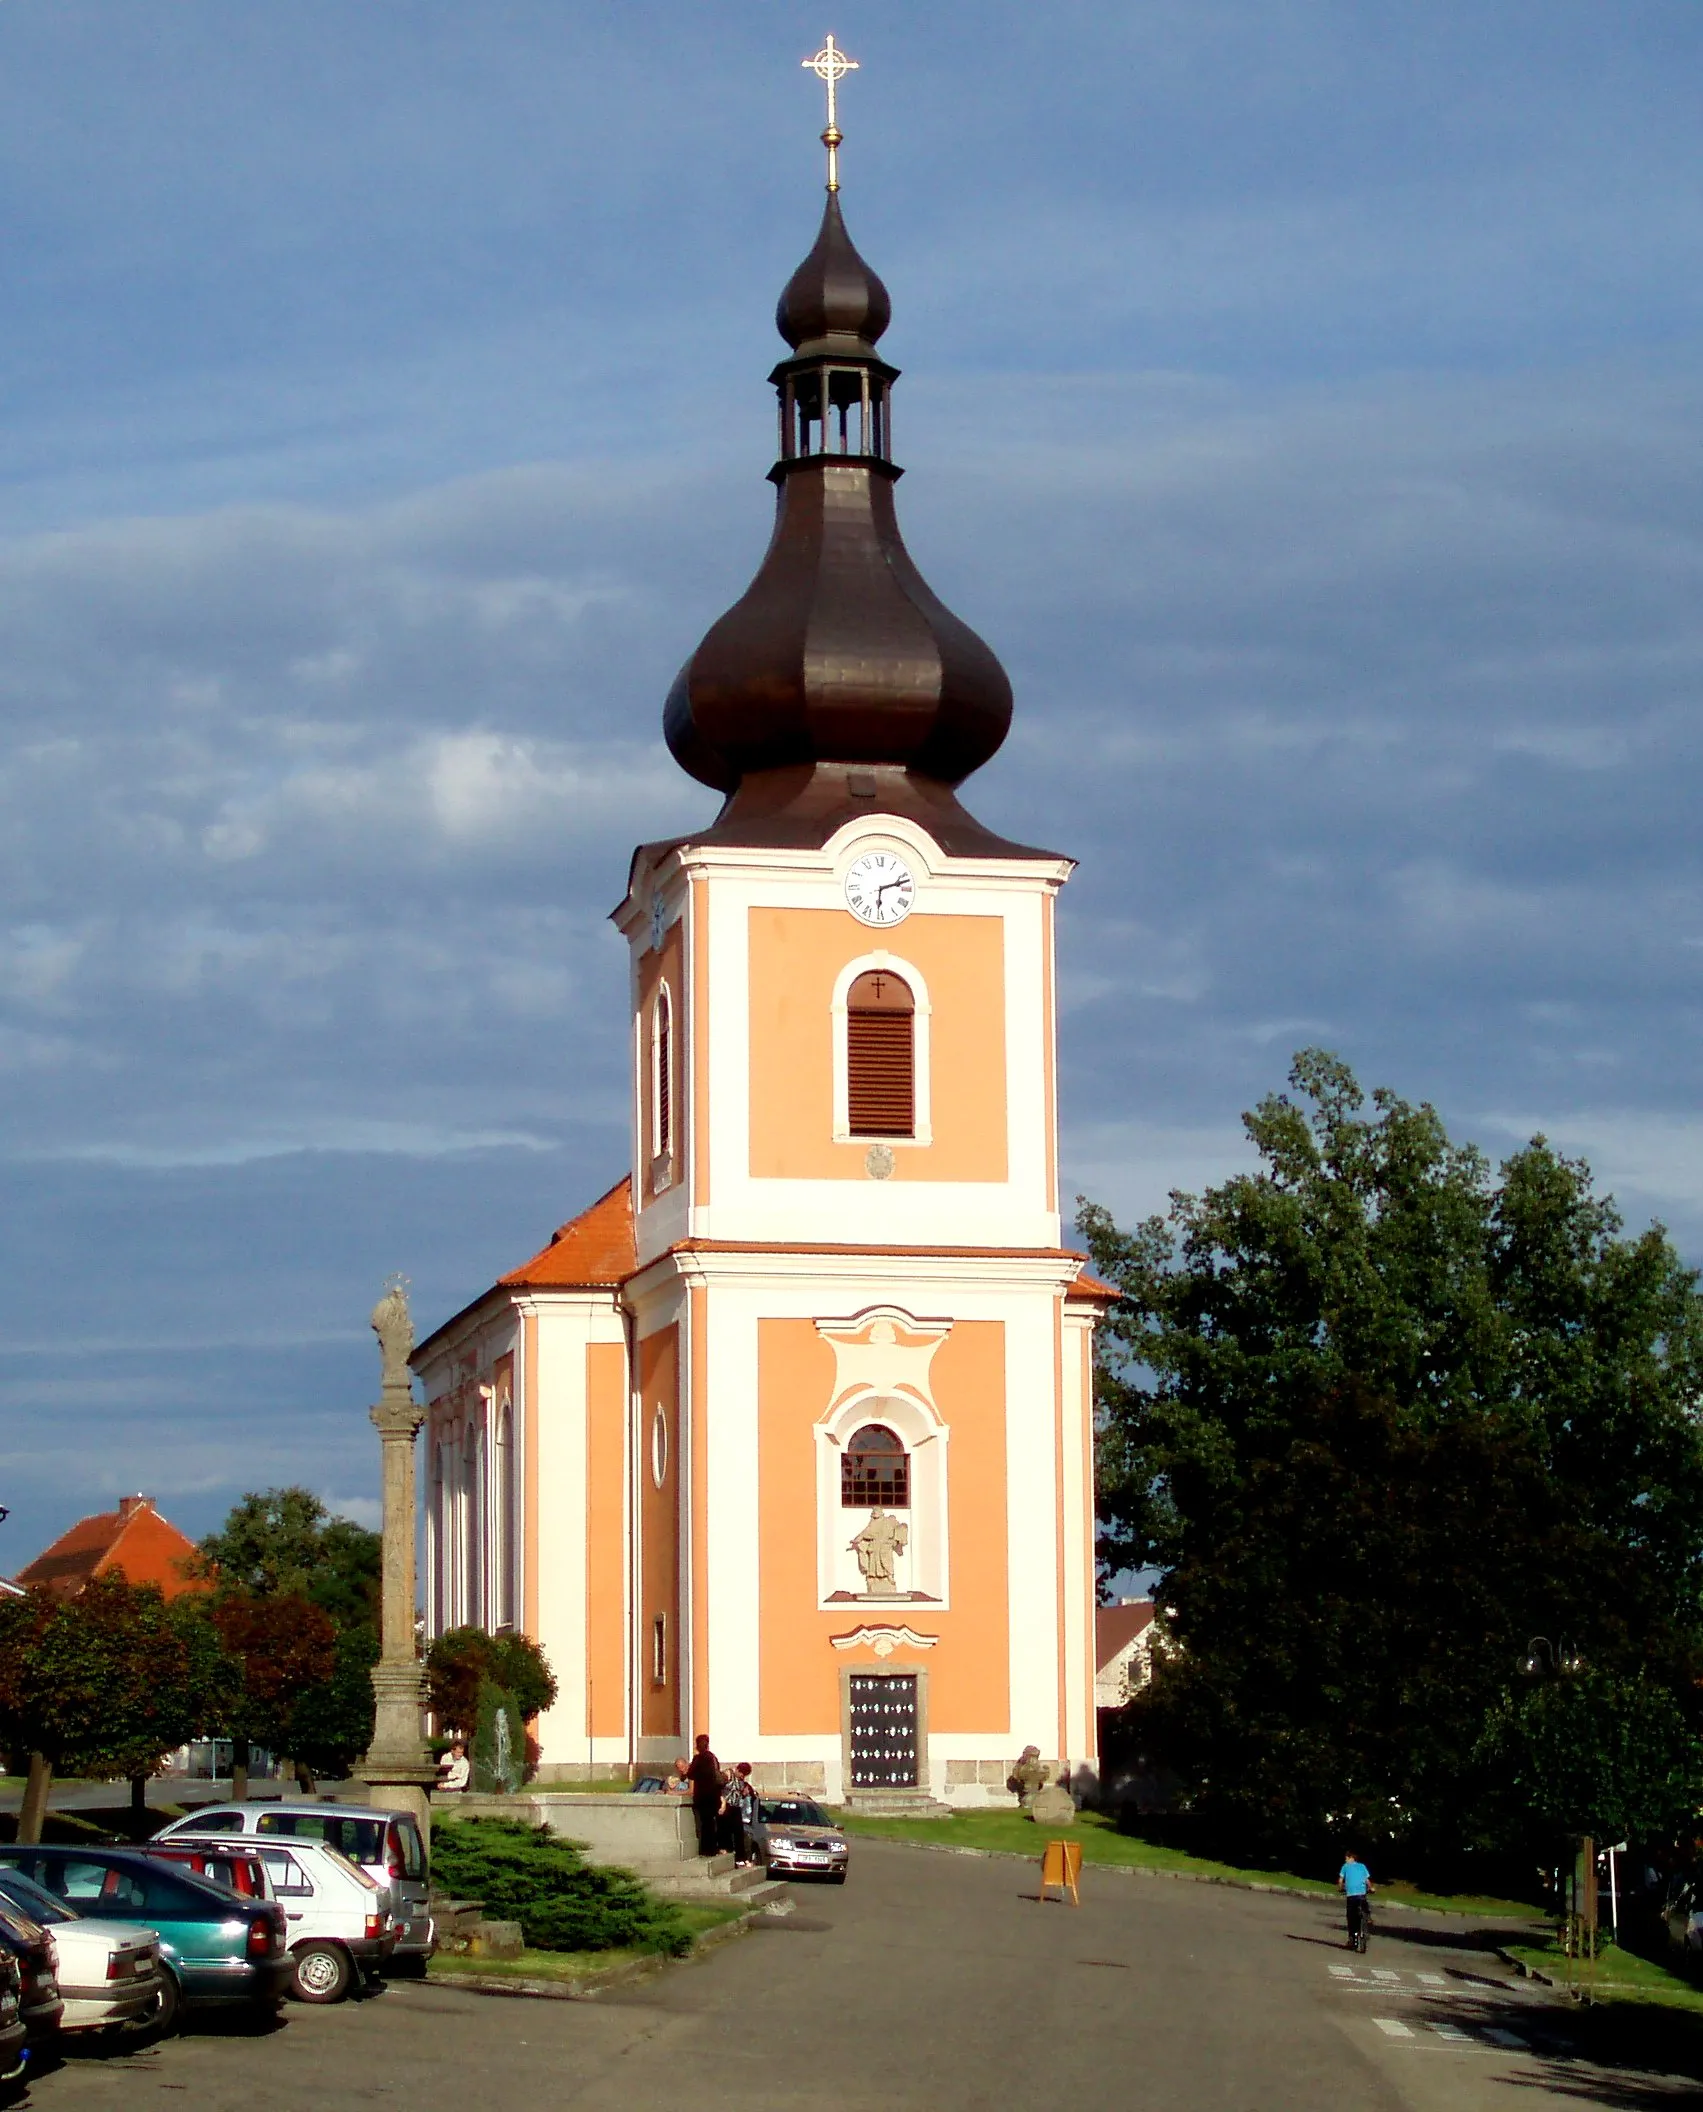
215 1948
109 1971
385 1844
341 1928
37 1956
238 1866
14 2033
795 1835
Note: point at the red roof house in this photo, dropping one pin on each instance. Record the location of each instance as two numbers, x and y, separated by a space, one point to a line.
1123 1651
133 1540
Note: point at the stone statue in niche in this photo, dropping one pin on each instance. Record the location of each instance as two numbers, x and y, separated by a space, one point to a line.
876 1548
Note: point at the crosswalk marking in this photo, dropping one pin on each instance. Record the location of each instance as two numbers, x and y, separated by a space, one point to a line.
1379 1974
1499 2037
1343 1972
1393 2027
1431 1979
1451 2031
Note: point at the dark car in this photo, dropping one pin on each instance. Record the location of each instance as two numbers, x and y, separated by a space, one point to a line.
795 1835
215 1945
14 2051
37 1956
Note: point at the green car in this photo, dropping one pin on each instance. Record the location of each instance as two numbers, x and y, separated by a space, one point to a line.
215 1945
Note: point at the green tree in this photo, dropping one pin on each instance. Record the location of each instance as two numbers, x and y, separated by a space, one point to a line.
461 1659
103 1684
284 1545
283 1541
1377 1416
331 1725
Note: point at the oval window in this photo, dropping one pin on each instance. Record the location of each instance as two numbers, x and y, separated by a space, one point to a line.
659 1446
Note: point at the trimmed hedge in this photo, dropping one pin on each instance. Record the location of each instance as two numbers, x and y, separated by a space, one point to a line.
563 1903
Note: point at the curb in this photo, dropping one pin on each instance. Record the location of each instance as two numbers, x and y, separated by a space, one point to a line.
590 1985
1186 1877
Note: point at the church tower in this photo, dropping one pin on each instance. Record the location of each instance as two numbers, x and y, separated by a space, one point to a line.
789 1438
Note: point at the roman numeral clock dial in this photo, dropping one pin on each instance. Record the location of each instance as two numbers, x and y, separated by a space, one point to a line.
879 888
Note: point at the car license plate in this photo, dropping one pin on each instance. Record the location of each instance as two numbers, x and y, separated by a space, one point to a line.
813 1855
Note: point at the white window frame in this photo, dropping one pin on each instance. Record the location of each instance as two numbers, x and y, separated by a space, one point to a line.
662 1023
922 1132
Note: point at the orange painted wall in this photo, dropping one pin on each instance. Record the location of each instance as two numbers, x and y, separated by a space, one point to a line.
605 1448
799 1670
796 956
659 1530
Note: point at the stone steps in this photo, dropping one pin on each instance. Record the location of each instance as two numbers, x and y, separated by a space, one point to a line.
894 1804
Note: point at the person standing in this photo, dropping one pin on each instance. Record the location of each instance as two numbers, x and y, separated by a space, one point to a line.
704 1774
742 1809
1354 1882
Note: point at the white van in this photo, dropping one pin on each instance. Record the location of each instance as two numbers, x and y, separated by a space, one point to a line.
338 1920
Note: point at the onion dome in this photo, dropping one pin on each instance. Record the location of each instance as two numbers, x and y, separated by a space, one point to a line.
838 658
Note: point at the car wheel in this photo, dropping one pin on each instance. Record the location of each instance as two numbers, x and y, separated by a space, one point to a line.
159 2020
322 1973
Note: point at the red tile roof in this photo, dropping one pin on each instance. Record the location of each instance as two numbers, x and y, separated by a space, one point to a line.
134 1540
1117 1626
595 1249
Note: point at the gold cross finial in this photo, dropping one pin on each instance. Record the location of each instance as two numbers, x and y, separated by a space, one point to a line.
830 66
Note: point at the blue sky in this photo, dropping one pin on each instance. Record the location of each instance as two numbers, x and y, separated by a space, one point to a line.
1303 398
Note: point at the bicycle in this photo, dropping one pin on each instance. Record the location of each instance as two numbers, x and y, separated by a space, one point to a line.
1359 1920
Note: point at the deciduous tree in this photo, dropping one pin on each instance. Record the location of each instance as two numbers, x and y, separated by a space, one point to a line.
1378 1415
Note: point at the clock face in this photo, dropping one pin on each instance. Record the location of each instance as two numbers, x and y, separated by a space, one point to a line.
879 888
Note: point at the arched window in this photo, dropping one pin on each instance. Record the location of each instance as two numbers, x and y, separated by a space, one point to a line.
662 1074
875 1469
881 1055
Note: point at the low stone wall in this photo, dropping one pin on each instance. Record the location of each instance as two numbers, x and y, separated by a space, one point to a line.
637 1831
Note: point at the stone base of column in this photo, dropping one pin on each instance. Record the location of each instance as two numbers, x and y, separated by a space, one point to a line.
398 1769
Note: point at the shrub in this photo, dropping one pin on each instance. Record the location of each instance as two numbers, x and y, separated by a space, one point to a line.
499 1753
462 1657
563 1903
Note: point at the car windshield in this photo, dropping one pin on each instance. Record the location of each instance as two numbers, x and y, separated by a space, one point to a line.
35 1900
361 1840
794 1811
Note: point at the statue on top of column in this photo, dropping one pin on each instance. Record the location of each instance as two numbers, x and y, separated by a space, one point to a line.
394 1326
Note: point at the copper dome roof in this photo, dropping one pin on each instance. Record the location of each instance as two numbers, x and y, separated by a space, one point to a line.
838 653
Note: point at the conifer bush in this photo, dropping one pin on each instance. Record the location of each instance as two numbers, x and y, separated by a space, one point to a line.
563 1903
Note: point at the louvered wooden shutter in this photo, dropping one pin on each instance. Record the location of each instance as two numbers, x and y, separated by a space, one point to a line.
662 1143
880 1058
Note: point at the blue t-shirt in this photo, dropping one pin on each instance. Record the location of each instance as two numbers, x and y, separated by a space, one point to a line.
1355 1879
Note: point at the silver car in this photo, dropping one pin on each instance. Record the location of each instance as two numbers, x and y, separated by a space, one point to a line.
796 1838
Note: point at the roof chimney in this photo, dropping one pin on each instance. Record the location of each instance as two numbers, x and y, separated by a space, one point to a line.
129 1504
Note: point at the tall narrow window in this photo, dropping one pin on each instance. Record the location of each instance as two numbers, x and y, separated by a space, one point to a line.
662 1075
881 1056
659 1651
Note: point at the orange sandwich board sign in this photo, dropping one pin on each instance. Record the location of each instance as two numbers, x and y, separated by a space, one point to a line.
1061 1865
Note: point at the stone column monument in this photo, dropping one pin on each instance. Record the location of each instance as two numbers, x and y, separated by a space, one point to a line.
398 1769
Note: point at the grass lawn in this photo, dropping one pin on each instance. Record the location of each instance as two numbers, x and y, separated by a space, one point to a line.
573 1965
1618 1976
1010 1832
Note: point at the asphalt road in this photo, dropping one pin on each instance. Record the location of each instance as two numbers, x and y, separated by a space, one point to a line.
938 1983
